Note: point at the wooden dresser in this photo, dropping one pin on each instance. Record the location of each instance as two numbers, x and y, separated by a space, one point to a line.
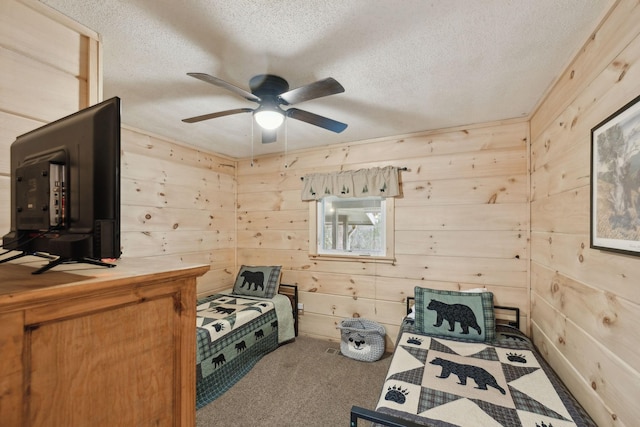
86 346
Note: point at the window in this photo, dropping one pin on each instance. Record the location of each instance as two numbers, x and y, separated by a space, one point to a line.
357 226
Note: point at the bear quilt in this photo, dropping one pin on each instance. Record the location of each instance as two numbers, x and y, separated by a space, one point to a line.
232 334
225 313
441 382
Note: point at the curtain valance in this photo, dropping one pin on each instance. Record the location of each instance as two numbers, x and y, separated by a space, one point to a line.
381 182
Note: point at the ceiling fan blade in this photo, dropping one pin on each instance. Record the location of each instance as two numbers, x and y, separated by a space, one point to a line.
326 87
221 83
314 119
269 136
218 114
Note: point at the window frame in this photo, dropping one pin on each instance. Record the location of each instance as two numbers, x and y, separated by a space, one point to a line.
315 235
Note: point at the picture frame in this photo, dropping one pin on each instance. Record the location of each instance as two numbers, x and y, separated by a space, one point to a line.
615 181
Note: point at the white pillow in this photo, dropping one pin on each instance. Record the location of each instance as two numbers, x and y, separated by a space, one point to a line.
476 290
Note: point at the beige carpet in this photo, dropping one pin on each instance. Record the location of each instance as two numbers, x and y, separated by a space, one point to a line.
303 383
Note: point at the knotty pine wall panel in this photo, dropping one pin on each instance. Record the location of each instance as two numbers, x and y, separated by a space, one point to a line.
597 53
49 68
585 302
60 97
585 355
464 191
462 222
50 37
460 217
297 219
362 154
38 44
178 203
613 325
493 244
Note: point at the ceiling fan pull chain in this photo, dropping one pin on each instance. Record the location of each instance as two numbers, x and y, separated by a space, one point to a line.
286 140
252 138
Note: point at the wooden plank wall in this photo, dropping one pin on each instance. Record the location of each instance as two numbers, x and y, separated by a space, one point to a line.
462 222
178 203
49 68
585 303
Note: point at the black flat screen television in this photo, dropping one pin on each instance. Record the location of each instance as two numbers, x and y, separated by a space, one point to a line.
65 189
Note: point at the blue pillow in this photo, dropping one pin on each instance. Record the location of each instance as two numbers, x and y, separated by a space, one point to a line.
466 316
257 281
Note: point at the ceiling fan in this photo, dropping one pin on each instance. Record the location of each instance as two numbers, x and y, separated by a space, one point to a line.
271 92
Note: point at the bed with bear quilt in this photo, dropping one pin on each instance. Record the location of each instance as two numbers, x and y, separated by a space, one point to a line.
452 366
233 332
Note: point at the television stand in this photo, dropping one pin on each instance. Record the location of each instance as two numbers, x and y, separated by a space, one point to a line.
21 254
62 260
57 261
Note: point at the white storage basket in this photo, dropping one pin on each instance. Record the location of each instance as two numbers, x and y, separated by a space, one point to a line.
361 339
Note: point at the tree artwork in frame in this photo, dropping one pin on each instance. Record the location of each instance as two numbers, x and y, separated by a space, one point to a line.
615 181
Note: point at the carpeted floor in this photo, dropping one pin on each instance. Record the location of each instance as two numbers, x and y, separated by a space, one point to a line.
303 383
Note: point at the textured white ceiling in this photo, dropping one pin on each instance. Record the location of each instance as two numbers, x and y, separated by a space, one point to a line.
407 66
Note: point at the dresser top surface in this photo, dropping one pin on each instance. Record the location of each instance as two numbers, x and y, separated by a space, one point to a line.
17 283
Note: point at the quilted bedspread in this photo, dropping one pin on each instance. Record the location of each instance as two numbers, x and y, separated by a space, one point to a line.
442 382
233 333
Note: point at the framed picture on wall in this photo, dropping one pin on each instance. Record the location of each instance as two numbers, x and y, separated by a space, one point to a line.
615 181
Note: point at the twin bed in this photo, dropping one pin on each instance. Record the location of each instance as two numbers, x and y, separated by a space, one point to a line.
235 329
453 366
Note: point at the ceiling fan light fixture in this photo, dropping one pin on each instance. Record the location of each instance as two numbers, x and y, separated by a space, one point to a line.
268 119
270 92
